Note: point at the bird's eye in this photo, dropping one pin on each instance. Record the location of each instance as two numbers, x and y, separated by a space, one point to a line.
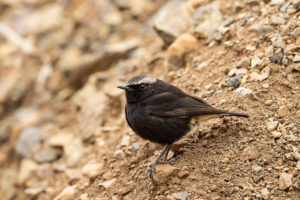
142 86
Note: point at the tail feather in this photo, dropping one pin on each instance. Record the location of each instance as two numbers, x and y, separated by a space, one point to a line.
235 114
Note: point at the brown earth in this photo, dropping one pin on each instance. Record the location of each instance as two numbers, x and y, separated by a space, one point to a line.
227 158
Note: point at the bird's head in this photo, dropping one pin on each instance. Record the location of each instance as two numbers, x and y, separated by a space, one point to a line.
138 88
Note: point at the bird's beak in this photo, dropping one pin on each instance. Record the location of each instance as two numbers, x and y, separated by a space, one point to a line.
125 87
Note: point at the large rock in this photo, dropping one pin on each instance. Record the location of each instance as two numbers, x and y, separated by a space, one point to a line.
178 49
250 153
207 19
164 173
91 170
172 20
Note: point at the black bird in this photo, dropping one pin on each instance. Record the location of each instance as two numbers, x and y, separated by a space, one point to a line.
162 113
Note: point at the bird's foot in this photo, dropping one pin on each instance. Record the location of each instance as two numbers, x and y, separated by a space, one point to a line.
153 165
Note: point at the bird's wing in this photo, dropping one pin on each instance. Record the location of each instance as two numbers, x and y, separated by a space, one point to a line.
179 105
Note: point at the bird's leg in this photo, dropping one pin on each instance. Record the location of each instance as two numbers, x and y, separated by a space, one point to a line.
158 161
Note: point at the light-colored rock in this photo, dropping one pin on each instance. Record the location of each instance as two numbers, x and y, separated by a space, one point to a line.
28 139
297 67
283 111
136 146
109 183
296 156
164 172
285 181
296 59
172 20
276 2
264 74
60 139
180 47
47 154
250 153
27 167
255 61
67 193
244 91
73 151
206 20
265 193
125 140
91 170
241 71
277 20
276 134
180 195
272 125
232 72
269 102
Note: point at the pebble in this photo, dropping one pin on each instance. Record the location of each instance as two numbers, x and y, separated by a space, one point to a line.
136 146
109 183
180 47
283 111
296 156
265 193
275 2
276 134
67 193
73 151
285 181
180 195
170 25
34 191
269 102
298 166
244 91
272 125
250 153
207 19
164 173
241 71
27 166
232 72
125 140
60 139
233 82
262 76
91 170
297 67
277 20
47 154
84 196
28 139
255 61
296 59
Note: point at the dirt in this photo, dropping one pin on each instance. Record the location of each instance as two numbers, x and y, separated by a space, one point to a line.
226 158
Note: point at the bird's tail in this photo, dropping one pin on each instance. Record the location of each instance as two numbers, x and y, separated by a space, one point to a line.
235 114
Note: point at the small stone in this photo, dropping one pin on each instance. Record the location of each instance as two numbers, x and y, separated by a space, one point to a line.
73 174
255 61
241 71
27 167
233 82
170 25
91 170
265 193
244 91
136 146
285 181
47 154
67 193
250 153
207 19
34 191
298 166
180 195
276 2
232 72
297 67
276 134
118 152
179 48
28 139
183 174
269 102
84 196
218 36
283 111
277 20
109 183
125 140
266 86
164 173
272 125
237 6
296 59
73 151
60 139
296 156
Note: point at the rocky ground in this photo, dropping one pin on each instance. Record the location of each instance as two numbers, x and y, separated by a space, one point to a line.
63 133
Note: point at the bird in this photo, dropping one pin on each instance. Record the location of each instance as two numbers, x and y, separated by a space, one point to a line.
162 113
